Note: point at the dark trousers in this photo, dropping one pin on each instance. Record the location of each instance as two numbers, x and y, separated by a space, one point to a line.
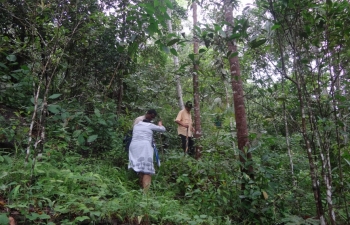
190 149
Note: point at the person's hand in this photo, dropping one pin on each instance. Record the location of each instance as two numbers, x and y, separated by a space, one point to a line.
185 126
160 123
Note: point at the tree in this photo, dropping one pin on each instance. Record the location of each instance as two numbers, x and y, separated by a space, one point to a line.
238 95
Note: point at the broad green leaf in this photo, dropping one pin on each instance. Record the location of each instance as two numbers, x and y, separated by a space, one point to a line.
234 36
44 216
81 218
173 51
217 27
257 43
11 58
4 220
153 28
53 108
173 41
191 56
3 66
222 33
15 192
202 50
54 96
102 121
276 26
168 4
39 101
81 139
1 159
92 138
76 133
97 112
233 55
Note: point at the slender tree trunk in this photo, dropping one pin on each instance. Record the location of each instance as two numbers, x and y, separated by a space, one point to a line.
176 65
313 171
238 95
197 118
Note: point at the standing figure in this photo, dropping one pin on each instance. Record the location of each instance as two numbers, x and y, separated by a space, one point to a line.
185 129
141 118
141 149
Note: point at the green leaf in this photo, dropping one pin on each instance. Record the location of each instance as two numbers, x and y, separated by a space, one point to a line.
276 26
173 51
81 139
15 191
11 58
3 66
76 133
53 108
257 43
222 33
173 41
152 28
54 96
92 138
102 121
129 18
156 3
202 50
168 4
348 162
231 54
191 56
44 216
234 36
4 220
81 218
97 112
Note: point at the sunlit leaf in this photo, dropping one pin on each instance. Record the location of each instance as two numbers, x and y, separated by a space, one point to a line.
54 96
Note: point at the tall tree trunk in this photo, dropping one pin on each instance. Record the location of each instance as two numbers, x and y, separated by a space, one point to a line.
197 118
313 170
238 95
176 65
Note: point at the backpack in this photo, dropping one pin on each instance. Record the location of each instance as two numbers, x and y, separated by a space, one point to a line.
127 140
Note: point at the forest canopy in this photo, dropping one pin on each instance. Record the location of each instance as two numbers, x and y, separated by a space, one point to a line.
269 87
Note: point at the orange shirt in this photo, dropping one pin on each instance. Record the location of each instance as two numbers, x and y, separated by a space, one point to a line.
185 117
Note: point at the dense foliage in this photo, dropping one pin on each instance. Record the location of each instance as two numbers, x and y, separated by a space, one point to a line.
75 74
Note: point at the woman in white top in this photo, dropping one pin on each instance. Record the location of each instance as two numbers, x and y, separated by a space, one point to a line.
141 149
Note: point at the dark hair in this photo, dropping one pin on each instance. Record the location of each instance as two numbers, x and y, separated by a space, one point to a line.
152 111
188 104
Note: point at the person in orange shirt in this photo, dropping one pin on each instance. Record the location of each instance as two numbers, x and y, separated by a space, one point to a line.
185 129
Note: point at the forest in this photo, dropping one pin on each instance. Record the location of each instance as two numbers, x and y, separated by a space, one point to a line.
269 85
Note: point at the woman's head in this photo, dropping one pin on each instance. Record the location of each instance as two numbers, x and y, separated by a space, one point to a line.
151 114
